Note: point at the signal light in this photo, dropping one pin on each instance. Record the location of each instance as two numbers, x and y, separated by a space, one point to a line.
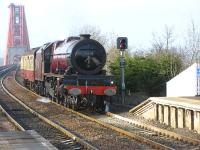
122 43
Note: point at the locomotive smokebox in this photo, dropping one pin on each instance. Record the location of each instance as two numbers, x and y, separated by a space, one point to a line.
88 56
84 55
85 36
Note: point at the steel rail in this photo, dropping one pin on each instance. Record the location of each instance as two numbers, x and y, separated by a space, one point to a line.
84 143
139 138
156 129
11 119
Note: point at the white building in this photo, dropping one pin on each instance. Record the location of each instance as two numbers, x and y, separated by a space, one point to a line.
187 83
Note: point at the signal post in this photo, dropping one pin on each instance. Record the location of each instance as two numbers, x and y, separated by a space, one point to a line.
122 45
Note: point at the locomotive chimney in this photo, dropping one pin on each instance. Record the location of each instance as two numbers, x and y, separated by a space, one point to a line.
85 36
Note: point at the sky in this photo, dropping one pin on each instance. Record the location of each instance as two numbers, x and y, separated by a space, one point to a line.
50 20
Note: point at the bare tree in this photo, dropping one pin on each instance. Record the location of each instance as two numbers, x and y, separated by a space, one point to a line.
162 45
95 33
168 37
192 46
164 41
157 43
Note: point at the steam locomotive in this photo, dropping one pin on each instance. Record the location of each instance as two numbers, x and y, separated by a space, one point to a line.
69 72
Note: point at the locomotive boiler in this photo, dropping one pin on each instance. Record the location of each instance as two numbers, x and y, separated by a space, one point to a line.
84 55
70 72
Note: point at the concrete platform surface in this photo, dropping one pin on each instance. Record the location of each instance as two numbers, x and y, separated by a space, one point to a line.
192 103
24 140
177 112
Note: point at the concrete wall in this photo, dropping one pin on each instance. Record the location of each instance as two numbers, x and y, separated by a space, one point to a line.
181 117
197 121
184 84
189 123
172 115
150 112
167 115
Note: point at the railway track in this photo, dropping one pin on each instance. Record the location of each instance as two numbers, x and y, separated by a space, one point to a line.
7 123
157 130
29 121
158 134
100 135
161 134
164 137
148 140
178 133
156 139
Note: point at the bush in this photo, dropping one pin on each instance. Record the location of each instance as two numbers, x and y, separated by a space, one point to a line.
149 73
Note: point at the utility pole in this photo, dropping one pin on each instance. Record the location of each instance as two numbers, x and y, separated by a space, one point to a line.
122 44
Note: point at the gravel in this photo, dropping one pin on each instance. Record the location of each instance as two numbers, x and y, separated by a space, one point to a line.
96 134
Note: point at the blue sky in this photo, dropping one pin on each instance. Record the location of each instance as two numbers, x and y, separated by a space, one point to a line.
50 20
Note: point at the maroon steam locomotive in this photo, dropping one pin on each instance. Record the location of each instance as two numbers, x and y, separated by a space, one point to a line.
70 72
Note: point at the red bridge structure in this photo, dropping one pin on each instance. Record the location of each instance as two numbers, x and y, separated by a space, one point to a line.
18 41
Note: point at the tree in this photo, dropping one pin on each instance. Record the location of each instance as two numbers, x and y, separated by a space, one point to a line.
164 41
162 48
170 62
192 46
95 33
148 73
168 37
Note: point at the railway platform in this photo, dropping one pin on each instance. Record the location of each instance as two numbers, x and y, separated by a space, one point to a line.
29 139
177 112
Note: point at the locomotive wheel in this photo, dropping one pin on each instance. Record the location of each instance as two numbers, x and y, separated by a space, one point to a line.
25 82
68 105
30 85
53 99
100 106
57 99
67 101
78 102
74 104
60 100
33 88
41 90
92 104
